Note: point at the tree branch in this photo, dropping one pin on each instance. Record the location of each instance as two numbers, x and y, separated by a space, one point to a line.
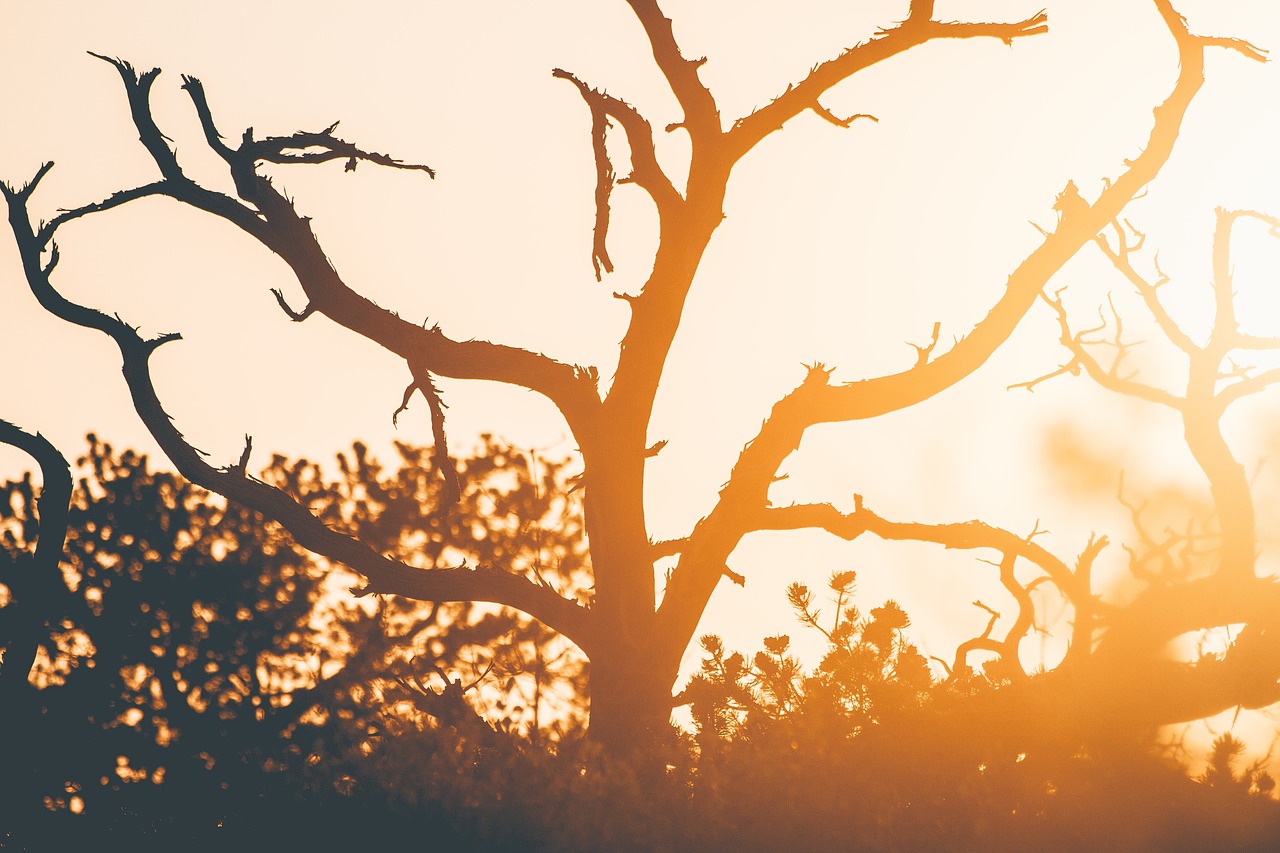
1120 259
701 116
385 576
274 222
646 172
1110 378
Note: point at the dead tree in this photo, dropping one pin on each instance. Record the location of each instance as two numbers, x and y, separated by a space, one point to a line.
1129 680
634 640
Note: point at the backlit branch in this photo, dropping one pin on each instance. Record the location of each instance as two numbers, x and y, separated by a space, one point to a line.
980 643
268 216
919 28
423 383
384 575
1206 398
1120 257
701 116
604 171
300 147
138 87
968 535
646 172
816 400
1110 377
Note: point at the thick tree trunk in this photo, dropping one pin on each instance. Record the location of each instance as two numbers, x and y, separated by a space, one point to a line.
630 701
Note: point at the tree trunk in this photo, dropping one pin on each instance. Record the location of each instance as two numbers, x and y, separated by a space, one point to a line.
630 701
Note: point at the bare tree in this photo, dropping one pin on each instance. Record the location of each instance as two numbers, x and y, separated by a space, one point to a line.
634 639
1128 679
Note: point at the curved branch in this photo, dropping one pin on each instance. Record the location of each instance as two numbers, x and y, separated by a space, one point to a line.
817 401
1148 290
967 535
604 173
34 588
646 172
701 116
138 87
271 218
1109 378
919 28
384 575
1201 419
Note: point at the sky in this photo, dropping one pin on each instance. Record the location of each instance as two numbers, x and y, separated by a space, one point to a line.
839 246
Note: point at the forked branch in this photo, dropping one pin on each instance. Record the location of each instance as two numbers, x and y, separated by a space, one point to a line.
384 575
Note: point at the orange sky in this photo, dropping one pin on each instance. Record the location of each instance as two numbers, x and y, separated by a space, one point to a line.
840 246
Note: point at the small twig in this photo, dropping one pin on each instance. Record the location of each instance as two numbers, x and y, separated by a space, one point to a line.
295 316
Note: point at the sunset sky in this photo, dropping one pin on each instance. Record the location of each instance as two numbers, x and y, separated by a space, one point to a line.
840 246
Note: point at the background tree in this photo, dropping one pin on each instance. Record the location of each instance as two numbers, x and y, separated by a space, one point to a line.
634 640
186 665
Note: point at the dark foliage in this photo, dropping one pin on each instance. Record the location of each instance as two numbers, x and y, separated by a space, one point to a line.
197 672
200 688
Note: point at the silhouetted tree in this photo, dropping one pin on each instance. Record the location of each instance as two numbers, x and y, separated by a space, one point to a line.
184 660
634 637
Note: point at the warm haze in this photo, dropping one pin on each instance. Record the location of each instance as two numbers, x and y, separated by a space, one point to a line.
840 246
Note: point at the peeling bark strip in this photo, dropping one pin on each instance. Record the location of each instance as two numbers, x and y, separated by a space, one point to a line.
604 186
598 103
817 400
385 575
634 644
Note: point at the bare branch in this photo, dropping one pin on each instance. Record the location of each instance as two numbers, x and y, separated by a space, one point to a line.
701 116
1085 604
646 172
277 225
384 575
969 535
241 467
1148 290
34 588
422 381
845 123
598 105
277 149
1078 343
24 192
1071 367
919 28
1240 46
814 402
1247 386
980 643
138 88
114 200
667 548
295 316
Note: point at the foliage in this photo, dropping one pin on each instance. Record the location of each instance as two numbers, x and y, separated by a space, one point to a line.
196 661
200 687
